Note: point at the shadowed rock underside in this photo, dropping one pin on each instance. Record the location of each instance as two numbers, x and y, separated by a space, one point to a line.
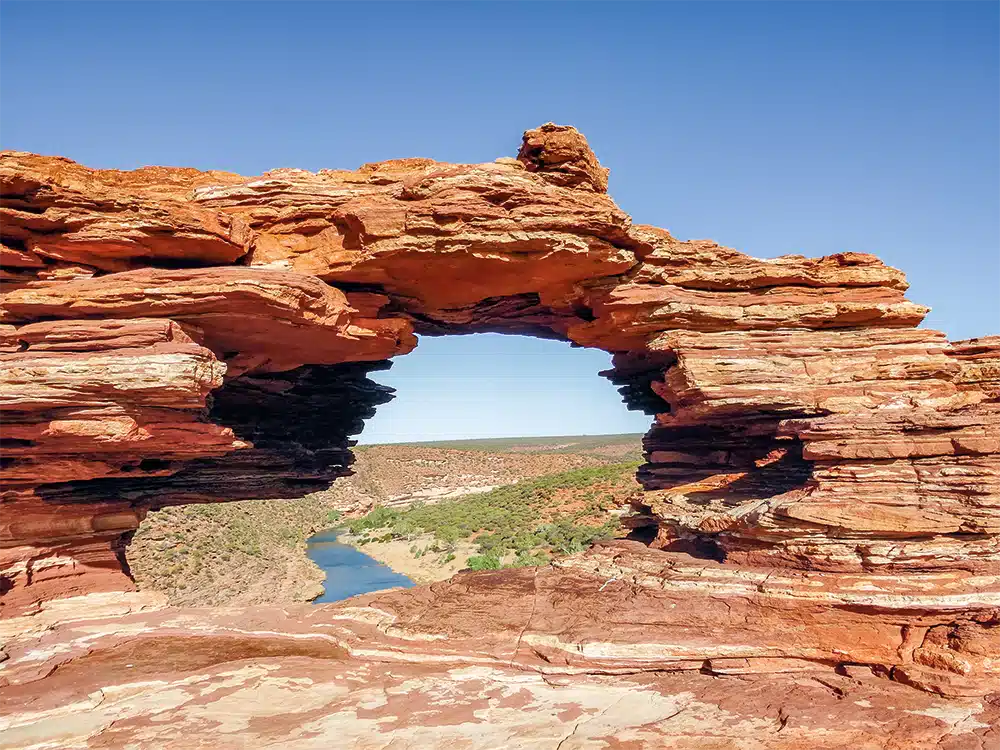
819 564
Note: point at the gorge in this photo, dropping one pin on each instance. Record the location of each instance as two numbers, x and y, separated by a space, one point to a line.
815 561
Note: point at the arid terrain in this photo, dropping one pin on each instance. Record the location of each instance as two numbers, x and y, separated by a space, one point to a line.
253 552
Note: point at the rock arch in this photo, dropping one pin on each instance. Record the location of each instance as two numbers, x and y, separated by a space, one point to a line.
173 336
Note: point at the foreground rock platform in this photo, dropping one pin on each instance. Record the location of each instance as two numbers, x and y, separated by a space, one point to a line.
822 477
589 654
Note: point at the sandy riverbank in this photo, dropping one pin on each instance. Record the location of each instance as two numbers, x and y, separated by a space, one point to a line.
427 568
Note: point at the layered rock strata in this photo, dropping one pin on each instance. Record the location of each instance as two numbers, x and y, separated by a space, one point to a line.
822 476
619 647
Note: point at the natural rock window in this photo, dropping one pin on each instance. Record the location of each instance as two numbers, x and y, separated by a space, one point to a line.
172 336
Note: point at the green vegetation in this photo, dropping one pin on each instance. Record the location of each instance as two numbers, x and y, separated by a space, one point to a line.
513 526
484 562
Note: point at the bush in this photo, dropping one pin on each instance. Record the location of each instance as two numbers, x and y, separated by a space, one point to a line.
526 560
566 537
484 562
377 519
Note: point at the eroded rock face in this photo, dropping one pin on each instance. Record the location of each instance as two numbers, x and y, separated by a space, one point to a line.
823 477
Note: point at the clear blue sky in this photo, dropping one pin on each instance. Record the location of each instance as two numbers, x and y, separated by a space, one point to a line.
771 127
493 385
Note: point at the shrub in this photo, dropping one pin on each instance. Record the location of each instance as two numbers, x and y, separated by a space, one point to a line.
377 519
526 560
484 562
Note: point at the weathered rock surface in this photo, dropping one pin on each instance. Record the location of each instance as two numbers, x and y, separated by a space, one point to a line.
589 654
823 477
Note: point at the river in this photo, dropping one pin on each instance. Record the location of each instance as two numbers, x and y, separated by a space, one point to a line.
349 572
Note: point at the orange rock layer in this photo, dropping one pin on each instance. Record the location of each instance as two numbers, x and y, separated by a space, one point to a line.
828 469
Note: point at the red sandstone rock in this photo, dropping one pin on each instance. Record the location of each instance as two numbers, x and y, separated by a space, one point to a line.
562 156
239 313
620 644
822 477
441 236
56 209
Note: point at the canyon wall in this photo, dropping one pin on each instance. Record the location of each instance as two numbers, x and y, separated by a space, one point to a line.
822 476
